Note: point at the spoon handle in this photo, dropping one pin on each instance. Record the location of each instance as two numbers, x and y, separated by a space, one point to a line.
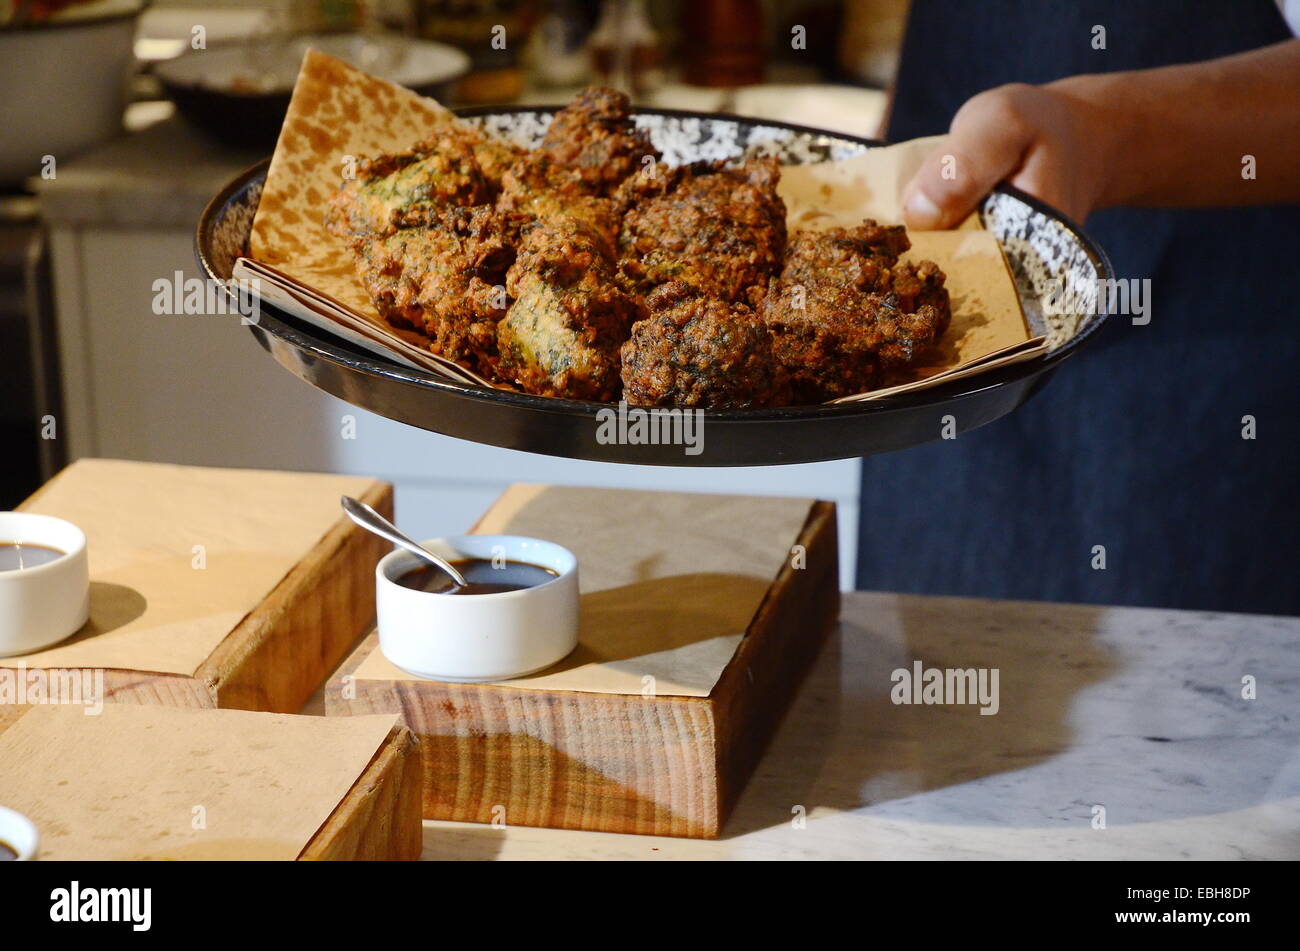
372 521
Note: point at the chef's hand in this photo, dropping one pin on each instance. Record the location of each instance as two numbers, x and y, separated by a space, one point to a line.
1221 132
1035 137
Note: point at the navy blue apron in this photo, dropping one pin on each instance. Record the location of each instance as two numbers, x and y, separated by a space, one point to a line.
1136 444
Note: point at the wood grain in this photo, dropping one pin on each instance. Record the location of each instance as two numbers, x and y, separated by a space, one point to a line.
283 650
379 819
758 686
658 765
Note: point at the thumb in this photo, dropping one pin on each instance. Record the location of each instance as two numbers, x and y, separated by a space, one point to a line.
988 139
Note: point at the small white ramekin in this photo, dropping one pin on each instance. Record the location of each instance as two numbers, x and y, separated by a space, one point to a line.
19 833
479 637
42 605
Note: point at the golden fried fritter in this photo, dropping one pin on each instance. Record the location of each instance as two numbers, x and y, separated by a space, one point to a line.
407 189
569 317
540 188
494 154
906 337
445 279
595 137
867 258
919 285
829 347
813 255
718 228
844 313
590 147
697 351
861 254
562 334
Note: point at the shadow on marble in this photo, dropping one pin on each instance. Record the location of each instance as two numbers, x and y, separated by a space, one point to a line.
846 746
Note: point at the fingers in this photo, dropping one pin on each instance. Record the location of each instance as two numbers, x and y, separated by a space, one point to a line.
986 144
1040 175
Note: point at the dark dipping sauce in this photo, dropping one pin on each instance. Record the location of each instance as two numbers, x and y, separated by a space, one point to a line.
483 577
15 556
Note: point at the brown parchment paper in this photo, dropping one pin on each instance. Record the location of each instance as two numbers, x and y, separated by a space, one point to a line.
866 186
842 193
337 110
670 581
151 608
134 781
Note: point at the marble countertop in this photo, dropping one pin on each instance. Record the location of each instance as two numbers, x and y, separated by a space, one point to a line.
1138 712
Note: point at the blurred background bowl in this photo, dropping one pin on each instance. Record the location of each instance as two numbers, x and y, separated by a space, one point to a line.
239 92
72 72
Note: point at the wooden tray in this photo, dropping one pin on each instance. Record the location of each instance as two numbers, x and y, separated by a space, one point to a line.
282 651
379 818
545 757
124 784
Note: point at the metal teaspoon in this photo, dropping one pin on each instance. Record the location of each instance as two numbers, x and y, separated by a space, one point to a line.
372 521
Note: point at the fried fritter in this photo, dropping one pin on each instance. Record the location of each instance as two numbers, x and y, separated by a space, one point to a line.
595 136
921 285
844 314
718 228
906 337
445 279
590 147
827 343
867 258
562 334
540 188
697 351
494 154
861 254
407 189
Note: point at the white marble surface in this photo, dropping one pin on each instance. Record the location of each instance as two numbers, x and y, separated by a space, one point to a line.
1136 710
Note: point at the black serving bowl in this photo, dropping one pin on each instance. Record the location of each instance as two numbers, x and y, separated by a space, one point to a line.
1049 256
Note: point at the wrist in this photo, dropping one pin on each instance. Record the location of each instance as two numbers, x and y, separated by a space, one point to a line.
1106 113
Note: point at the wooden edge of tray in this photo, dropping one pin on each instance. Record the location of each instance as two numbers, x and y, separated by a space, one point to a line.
327 597
379 818
758 685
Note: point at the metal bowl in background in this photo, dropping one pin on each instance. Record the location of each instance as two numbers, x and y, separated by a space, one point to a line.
239 92
1047 254
64 85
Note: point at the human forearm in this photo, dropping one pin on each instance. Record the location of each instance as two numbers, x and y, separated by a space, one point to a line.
1221 132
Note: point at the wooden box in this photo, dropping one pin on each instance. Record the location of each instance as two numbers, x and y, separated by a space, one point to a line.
147 782
379 818
615 761
280 651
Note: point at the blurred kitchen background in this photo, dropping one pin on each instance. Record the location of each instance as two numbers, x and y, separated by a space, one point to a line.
120 120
